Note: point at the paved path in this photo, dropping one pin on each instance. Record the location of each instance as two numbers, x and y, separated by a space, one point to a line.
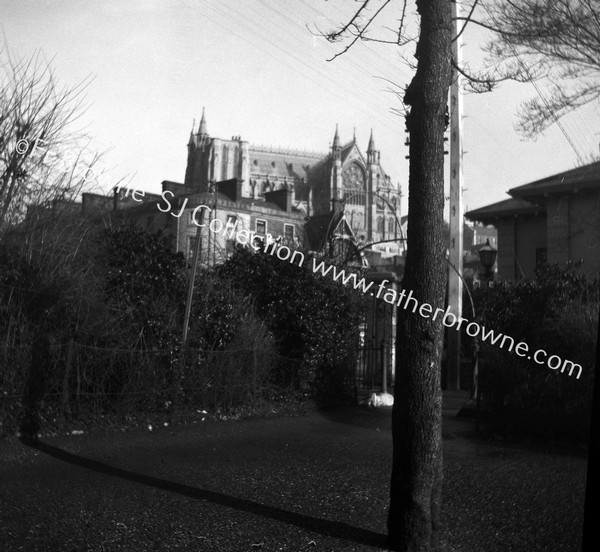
312 483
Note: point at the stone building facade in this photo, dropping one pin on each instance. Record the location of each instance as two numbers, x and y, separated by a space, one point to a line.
344 179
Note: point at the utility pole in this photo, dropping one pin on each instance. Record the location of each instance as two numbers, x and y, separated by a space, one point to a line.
456 211
178 371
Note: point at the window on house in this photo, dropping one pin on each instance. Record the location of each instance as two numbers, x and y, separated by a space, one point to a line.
261 227
230 227
288 231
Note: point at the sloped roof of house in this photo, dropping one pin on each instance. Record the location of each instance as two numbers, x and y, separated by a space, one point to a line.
530 198
508 207
572 180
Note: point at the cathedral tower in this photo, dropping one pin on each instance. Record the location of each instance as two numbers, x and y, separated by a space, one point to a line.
197 172
372 186
336 172
214 159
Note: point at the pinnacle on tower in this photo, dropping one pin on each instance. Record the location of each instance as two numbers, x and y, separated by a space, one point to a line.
192 132
371 147
336 138
202 128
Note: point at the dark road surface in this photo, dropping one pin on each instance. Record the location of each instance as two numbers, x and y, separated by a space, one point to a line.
316 483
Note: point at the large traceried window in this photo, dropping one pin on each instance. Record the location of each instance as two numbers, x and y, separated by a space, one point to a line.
355 197
354 184
354 193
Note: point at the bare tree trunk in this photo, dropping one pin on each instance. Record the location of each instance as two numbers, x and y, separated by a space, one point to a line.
416 484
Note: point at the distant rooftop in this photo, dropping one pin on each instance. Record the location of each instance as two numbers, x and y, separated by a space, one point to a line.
579 178
507 207
287 151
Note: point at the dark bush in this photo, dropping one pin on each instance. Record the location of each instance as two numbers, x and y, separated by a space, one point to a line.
314 321
108 308
557 312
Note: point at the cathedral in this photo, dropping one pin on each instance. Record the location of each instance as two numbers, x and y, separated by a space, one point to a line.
342 181
334 203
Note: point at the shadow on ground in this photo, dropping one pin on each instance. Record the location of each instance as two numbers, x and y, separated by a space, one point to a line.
325 527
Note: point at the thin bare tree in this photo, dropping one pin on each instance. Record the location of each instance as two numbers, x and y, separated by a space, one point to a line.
43 158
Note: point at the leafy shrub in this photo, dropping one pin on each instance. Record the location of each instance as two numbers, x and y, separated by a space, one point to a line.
556 312
314 321
108 308
145 282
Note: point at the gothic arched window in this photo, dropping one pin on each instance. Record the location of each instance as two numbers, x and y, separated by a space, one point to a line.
354 184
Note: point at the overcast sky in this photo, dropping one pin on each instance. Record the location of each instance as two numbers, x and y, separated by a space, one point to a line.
261 73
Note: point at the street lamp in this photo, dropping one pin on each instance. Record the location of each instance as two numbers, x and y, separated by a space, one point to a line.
487 257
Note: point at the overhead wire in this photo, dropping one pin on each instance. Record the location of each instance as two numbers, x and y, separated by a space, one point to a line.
360 105
374 59
357 58
364 44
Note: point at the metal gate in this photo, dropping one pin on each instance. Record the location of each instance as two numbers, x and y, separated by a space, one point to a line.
376 351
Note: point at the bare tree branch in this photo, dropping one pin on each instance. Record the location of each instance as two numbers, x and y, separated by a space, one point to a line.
40 151
359 32
553 42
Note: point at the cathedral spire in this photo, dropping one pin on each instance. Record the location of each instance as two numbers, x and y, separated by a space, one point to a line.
192 132
202 128
336 168
336 138
371 147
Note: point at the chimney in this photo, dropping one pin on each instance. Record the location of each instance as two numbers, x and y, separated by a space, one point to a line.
231 188
281 198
